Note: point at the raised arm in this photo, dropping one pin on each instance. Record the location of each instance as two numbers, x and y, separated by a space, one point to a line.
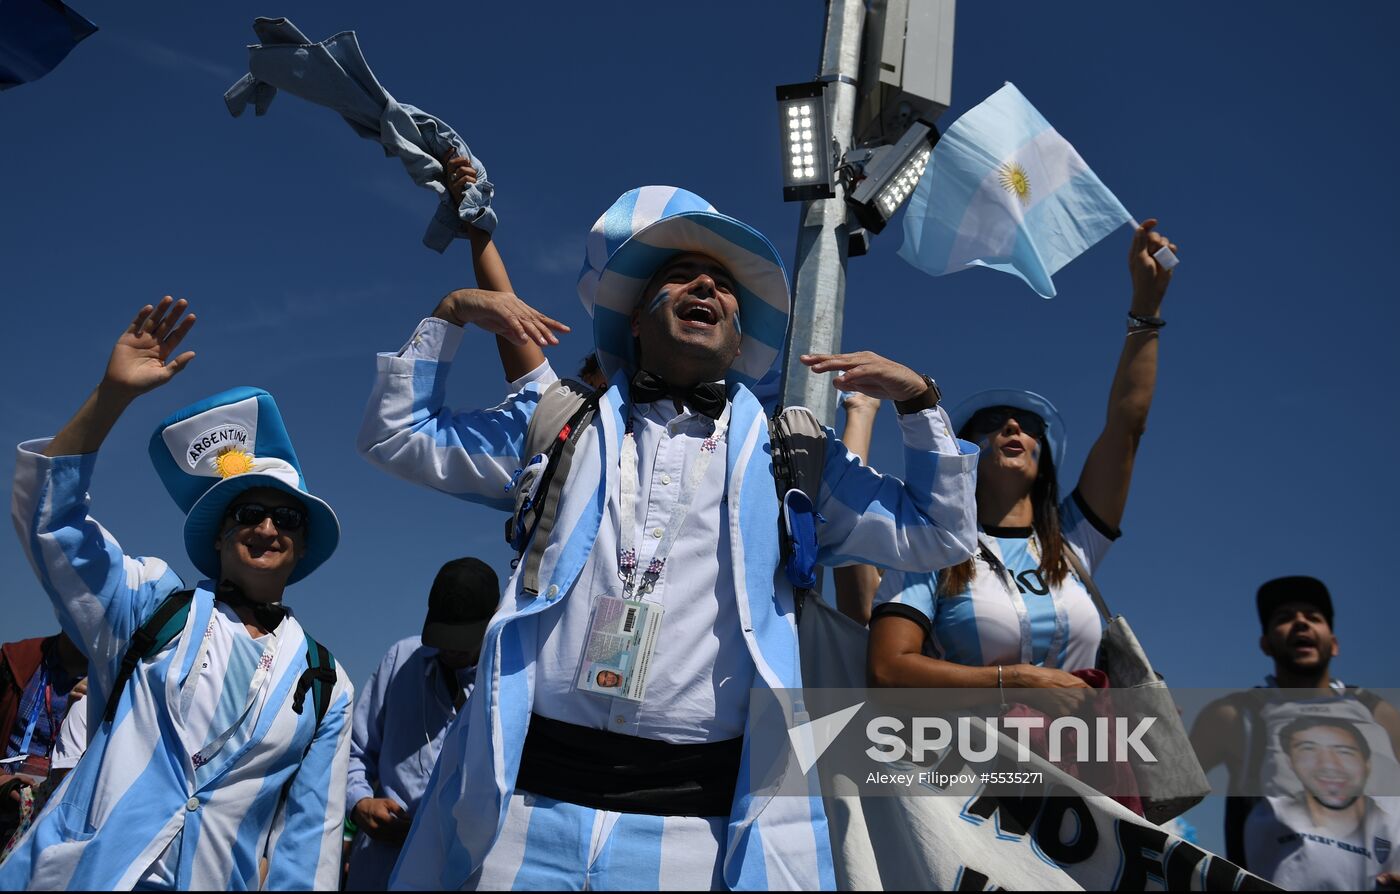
1108 470
856 584
140 361
409 431
99 593
520 330
924 522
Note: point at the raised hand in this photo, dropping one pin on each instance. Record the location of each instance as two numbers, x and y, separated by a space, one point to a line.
857 404
457 175
502 313
141 359
868 373
1150 281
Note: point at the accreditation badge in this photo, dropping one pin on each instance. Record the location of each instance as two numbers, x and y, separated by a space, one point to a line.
617 656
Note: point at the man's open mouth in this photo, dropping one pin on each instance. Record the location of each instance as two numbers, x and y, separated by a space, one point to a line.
699 312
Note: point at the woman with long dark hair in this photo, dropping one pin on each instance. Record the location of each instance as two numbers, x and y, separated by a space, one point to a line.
1017 614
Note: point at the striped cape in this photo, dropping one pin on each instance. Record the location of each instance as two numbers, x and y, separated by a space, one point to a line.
772 842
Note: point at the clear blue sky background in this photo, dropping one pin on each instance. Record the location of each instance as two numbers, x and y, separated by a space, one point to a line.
1263 135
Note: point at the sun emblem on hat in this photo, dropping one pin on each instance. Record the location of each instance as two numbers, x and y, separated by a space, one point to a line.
233 461
1015 181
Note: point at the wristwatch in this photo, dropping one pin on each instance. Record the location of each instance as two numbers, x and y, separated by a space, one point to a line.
925 400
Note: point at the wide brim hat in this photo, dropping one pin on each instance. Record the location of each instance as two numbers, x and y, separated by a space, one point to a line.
644 229
1055 436
210 452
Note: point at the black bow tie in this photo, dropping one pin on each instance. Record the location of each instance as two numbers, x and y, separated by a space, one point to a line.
707 398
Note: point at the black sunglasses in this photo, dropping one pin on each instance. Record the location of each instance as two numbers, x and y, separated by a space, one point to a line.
993 418
286 518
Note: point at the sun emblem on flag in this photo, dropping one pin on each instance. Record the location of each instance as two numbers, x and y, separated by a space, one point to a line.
1015 181
233 461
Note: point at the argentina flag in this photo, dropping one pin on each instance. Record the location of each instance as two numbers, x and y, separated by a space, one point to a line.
1004 190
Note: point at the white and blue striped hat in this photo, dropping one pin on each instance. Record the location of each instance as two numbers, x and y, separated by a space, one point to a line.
643 230
210 452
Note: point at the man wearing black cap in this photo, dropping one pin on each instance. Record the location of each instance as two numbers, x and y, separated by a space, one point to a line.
1253 734
404 711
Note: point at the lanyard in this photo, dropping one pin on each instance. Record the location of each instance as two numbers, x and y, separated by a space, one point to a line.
47 703
630 487
1018 601
255 687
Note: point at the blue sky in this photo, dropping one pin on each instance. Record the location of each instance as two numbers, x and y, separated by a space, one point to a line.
1262 135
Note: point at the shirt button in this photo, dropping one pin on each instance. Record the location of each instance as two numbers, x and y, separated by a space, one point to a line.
665 479
620 720
192 804
657 532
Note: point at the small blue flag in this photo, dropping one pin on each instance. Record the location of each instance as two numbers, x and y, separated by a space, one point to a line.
36 35
1004 190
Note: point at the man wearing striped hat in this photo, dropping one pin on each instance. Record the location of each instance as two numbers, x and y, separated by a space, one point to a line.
607 742
219 730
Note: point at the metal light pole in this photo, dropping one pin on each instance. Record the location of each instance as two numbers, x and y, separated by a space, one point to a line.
819 287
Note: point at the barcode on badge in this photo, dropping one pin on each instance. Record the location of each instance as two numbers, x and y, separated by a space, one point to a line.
630 622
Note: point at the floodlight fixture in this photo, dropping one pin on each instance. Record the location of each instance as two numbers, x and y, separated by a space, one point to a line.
806 141
890 175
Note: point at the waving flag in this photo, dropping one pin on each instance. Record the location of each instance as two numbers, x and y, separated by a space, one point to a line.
35 35
1004 190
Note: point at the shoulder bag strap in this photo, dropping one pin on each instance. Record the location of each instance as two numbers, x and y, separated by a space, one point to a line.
1087 580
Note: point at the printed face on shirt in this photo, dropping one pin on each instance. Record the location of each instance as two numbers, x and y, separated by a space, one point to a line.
1331 763
1298 638
689 314
262 550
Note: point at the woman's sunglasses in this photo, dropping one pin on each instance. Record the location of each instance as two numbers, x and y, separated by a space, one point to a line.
993 418
286 518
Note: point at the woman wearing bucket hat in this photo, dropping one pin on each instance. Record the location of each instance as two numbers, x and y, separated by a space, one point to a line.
1016 615
689 309
220 730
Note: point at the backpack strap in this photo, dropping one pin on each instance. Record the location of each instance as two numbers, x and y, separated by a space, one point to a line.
798 441
564 411
154 634
319 679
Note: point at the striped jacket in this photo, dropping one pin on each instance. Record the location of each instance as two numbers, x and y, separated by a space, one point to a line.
135 788
773 842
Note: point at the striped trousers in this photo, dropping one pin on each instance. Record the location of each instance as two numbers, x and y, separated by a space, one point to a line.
556 846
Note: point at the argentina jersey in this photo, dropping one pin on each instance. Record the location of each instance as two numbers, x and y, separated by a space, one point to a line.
1013 616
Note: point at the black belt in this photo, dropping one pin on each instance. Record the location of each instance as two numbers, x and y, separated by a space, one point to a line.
628 774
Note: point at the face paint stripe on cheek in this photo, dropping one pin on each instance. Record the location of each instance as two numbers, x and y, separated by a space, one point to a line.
661 298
